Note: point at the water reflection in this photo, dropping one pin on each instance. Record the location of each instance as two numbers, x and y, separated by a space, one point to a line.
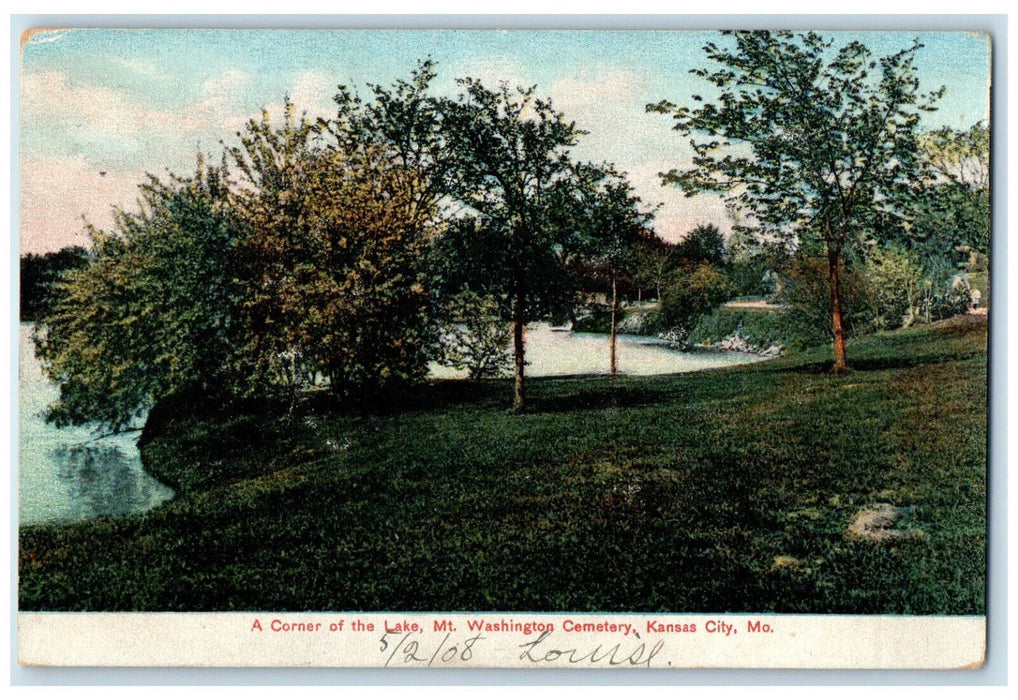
68 474
102 480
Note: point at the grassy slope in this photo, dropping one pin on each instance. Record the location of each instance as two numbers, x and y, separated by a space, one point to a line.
672 493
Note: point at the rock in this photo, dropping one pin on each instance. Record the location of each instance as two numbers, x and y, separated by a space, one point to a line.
874 524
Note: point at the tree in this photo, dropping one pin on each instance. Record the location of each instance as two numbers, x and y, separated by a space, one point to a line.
39 273
155 312
655 259
693 292
704 244
511 151
610 223
336 254
954 207
809 142
284 260
474 337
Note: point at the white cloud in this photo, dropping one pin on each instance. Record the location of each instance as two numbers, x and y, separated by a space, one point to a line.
609 103
678 214
148 68
85 114
313 92
58 194
77 132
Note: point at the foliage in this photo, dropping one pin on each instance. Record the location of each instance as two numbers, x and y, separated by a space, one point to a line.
608 221
475 337
704 244
155 312
895 280
272 173
404 122
755 265
961 157
655 260
950 300
805 288
39 273
693 292
672 494
299 261
338 238
761 328
511 151
805 141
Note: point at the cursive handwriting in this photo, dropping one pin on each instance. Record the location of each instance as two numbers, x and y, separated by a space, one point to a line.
540 651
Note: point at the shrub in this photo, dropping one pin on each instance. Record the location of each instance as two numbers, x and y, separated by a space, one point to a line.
806 289
475 337
953 300
760 329
691 294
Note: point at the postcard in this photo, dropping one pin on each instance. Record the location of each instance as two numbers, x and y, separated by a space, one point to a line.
503 348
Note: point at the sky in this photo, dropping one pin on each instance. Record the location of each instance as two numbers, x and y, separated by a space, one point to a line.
99 108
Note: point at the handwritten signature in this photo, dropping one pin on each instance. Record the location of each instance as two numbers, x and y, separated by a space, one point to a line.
540 651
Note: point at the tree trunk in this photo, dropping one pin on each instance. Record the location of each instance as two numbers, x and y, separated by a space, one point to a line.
614 332
834 265
518 349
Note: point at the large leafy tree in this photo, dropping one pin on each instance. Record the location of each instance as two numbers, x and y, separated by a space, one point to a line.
273 169
511 151
155 312
338 235
806 141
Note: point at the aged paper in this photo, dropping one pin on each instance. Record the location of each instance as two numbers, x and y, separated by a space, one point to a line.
520 349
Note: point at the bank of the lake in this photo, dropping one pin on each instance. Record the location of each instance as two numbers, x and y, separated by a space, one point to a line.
723 490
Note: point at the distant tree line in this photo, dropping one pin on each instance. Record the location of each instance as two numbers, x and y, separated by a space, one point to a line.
39 274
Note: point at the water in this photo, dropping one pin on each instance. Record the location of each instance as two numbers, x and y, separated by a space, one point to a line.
66 474
554 352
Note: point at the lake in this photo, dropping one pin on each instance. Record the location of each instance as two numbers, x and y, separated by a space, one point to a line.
67 474
557 352
70 474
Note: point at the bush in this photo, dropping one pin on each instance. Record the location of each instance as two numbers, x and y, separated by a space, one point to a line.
691 294
475 337
760 328
953 300
894 279
806 289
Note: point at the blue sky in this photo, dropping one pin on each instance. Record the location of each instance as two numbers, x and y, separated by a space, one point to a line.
100 108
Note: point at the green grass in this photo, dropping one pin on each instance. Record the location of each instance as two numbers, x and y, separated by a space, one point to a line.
717 491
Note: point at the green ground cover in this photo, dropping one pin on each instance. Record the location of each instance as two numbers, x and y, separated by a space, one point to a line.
717 491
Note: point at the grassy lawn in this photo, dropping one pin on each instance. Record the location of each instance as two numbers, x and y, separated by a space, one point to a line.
717 491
